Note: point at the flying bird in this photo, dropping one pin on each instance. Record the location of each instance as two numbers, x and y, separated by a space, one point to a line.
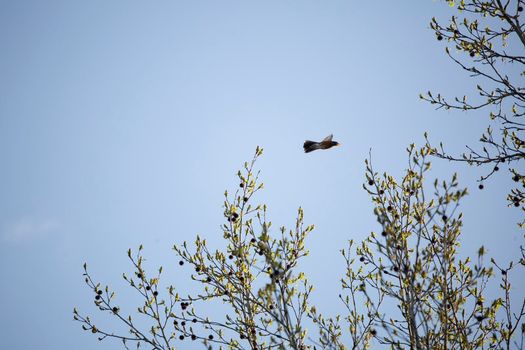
327 143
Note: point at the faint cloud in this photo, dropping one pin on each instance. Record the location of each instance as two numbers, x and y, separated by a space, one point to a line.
29 228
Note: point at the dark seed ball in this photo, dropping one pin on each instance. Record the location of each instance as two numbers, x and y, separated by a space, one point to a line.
241 185
194 320
444 217
370 182
479 318
155 293
472 53
520 8
260 252
99 292
208 279
253 240
115 309
373 331
181 263
210 337
496 168
198 269
479 303
193 337
175 322
245 199
381 192
396 269
481 186
139 275
181 337
148 287
503 272
440 37
271 306
230 256
242 336
516 204
183 323
389 208
362 259
97 297
516 178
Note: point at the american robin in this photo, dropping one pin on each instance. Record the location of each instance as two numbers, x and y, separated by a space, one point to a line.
327 143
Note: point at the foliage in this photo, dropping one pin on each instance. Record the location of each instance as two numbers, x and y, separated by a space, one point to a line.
405 287
255 276
487 42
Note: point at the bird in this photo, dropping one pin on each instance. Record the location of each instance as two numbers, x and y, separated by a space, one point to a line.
327 143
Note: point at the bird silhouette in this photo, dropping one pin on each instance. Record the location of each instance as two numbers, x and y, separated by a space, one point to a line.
327 143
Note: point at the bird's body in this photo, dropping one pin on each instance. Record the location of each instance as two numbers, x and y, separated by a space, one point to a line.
327 143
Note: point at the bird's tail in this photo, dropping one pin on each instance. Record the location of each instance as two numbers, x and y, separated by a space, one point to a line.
310 146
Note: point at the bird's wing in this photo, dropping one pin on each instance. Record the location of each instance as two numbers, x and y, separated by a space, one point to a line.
328 138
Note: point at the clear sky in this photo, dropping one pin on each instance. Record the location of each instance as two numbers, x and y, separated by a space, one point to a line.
123 122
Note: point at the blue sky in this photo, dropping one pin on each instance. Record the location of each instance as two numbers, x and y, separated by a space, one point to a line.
123 123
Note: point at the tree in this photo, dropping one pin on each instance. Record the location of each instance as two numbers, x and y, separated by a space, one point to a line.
488 42
412 265
254 276
405 286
